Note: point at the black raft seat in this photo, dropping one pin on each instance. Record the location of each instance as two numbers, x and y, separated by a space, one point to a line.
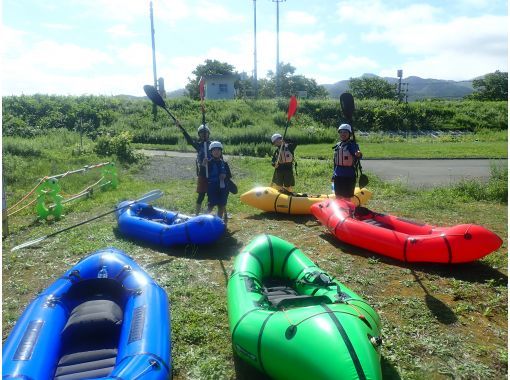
285 297
90 340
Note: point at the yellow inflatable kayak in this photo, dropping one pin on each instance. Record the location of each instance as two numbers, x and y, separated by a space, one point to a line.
272 200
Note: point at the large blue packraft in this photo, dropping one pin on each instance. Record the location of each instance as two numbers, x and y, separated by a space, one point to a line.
158 226
104 318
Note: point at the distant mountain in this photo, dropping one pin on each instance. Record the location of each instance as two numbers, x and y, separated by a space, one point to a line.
176 93
416 88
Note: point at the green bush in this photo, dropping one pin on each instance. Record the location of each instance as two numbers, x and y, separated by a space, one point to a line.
119 146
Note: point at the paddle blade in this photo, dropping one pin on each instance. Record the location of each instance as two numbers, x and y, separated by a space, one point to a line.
201 87
347 104
154 95
150 196
292 107
363 180
28 243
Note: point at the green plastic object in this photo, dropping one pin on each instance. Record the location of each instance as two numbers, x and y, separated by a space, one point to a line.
109 172
49 201
291 320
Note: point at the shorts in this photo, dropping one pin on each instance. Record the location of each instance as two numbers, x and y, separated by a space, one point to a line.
201 184
344 186
216 196
284 177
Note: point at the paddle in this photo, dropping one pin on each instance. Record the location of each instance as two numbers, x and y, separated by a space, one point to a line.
148 197
201 88
290 112
347 104
156 98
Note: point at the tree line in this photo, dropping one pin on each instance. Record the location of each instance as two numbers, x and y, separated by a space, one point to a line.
493 86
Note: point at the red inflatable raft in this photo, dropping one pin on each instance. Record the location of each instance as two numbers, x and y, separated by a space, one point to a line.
403 239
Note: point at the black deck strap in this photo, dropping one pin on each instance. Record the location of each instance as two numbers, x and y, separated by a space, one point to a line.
240 319
290 203
448 246
258 260
405 249
271 253
275 201
340 222
287 258
259 342
186 229
347 341
302 270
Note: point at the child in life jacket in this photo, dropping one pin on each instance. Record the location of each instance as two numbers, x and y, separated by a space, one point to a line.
219 175
346 155
283 159
202 148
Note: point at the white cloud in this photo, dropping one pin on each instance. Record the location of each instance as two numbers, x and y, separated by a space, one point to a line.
58 26
214 13
339 39
299 18
120 30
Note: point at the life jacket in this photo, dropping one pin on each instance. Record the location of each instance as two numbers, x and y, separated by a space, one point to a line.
285 156
342 156
216 167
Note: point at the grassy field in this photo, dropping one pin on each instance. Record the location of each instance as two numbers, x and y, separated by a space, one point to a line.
438 321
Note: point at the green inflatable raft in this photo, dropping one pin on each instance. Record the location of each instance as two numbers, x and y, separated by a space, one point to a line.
291 320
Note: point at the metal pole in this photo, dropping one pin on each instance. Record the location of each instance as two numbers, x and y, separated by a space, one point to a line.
277 82
154 106
255 84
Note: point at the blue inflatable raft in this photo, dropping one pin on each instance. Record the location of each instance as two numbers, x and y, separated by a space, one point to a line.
158 226
104 318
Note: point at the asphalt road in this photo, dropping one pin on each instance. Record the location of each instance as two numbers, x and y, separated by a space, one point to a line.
412 173
432 173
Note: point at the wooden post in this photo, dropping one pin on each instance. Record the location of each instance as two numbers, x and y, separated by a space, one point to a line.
5 226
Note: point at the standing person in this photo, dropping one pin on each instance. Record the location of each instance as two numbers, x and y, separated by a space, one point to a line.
202 148
283 159
346 155
219 174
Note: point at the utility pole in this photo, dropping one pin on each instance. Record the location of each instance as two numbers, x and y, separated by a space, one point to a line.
277 83
399 75
255 84
154 106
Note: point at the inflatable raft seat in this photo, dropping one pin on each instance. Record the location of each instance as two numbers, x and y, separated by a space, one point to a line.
91 335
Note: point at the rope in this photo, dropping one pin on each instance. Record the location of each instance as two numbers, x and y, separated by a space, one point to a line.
30 193
80 193
28 204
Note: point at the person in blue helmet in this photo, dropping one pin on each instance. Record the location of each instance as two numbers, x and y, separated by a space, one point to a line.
346 155
217 181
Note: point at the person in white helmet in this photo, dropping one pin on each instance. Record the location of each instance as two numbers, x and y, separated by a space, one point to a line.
346 155
283 160
217 180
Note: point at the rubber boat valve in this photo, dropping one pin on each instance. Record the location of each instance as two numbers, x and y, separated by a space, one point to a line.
376 341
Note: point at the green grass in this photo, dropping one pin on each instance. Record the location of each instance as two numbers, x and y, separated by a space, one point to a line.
438 321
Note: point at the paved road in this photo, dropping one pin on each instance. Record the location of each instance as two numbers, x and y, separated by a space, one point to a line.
431 173
413 173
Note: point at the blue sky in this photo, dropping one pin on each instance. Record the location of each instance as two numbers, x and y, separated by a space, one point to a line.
104 46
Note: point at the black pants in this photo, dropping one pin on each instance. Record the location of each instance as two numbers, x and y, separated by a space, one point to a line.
344 186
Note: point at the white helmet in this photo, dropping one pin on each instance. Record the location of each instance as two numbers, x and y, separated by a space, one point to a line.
203 128
345 127
215 144
275 137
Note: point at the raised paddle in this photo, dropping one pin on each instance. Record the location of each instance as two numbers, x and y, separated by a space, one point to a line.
148 197
347 104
